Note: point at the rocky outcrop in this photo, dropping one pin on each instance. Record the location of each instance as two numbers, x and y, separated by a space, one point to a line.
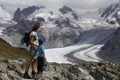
27 11
111 10
110 13
75 16
63 22
14 69
64 37
65 10
23 14
111 50
17 15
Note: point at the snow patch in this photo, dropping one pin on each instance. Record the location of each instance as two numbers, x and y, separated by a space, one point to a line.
1 30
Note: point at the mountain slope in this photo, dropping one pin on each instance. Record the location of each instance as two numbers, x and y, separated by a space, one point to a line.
111 13
7 51
111 50
111 10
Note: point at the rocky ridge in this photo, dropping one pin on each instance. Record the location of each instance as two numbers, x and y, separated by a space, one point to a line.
14 69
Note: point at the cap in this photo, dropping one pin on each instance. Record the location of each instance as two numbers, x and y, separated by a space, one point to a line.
41 40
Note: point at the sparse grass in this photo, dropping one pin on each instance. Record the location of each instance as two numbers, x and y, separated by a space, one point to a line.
9 52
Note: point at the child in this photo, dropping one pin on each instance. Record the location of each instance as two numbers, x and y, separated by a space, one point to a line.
41 56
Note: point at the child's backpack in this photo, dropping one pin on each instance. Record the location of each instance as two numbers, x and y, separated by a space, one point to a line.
26 38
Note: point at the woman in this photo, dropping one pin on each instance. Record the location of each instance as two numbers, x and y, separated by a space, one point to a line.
33 50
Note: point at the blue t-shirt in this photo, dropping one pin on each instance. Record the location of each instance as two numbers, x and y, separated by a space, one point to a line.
40 49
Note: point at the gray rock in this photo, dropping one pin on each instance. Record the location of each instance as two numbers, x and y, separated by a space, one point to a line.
65 10
17 15
55 71
23 14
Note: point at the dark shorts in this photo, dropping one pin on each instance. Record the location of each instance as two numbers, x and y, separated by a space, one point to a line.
33 52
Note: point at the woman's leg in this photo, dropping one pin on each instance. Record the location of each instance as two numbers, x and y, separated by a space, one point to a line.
26 75
33 64
32 54
28 65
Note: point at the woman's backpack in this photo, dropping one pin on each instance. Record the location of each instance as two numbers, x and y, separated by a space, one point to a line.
26 38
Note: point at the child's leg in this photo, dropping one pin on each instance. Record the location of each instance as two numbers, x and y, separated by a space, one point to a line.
40 64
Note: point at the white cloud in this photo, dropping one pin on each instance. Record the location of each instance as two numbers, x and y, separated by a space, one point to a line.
80 3
4 15
75 4
88 3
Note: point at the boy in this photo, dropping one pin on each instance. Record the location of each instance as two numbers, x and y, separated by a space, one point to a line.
41 56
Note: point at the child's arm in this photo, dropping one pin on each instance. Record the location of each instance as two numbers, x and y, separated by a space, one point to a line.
44 55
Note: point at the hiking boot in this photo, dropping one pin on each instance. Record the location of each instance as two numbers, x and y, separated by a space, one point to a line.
33 73
27 76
